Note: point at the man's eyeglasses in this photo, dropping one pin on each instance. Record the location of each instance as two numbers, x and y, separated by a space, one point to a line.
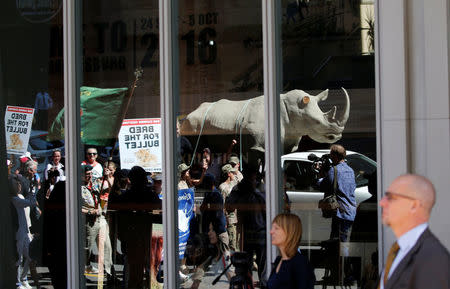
91 154
392 196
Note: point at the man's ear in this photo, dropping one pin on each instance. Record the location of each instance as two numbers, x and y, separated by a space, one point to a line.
415 206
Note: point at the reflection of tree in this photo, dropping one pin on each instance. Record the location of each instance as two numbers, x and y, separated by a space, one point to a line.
370 22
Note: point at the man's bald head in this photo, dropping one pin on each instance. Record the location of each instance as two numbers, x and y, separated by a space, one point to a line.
417 187
407 203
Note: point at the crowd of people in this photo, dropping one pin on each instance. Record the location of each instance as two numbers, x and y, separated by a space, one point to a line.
120 206
39 211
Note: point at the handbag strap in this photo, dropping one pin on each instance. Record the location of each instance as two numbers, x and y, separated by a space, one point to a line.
335 180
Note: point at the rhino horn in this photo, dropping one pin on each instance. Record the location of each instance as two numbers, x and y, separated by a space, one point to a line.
343 120
322 96
331 114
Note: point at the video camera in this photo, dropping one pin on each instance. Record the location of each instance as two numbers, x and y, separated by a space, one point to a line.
322 164
242 263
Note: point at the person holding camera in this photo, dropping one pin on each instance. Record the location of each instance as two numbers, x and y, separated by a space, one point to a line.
342 220
339 180
291 269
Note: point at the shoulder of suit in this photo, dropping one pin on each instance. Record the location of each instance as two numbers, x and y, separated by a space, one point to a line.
431 247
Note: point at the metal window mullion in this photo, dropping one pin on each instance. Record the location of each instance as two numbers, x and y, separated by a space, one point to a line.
272 76
168 98
378 132
72 142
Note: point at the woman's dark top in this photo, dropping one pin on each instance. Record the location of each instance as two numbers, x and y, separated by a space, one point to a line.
295 273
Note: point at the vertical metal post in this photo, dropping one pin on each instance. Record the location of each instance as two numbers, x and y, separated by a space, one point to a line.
169 100
272 75
72 140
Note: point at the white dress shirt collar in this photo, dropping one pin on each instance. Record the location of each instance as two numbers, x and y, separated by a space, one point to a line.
405 242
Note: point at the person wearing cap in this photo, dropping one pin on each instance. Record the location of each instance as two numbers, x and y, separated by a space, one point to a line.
91 159
186 181
225 189
235 163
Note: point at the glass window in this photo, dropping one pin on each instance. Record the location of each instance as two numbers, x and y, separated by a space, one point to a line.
329 98
121 175
33 202
221 192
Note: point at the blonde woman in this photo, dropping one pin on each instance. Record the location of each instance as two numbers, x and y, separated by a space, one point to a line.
291 269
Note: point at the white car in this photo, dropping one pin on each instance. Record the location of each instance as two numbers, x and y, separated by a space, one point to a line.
304 194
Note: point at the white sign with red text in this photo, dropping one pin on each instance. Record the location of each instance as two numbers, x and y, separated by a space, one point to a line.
140 144
18 122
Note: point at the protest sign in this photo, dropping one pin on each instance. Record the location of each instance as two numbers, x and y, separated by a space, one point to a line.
140 144
18 122
185 214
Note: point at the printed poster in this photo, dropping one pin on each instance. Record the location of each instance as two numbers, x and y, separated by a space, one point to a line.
140 144
185 214
18 122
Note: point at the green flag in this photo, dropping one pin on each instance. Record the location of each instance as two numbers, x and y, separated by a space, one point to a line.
101 115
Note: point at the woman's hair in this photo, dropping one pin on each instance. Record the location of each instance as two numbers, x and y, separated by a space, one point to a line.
110 163
13 184
292 226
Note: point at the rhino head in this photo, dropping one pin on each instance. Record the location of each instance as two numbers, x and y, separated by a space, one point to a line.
308 119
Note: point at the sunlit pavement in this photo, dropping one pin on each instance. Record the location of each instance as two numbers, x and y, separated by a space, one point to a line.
91 280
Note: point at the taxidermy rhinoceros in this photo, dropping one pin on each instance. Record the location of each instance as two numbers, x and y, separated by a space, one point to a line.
299 111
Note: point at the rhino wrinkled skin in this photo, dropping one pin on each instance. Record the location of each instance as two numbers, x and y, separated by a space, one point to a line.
299 111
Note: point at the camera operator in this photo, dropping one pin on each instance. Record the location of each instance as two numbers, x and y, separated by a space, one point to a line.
342 221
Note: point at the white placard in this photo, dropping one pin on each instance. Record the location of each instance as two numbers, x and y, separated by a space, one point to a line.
18 122
140 144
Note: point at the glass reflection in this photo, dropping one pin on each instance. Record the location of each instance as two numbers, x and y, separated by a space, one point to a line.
120 131
33 223
221 201
328 60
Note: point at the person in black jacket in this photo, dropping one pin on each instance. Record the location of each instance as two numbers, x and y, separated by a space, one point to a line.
135 219
291 270
250 204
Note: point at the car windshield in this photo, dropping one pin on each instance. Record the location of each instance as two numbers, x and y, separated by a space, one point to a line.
363 167
40 143
299 175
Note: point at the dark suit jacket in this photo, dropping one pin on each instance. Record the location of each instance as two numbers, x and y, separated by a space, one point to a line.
427 265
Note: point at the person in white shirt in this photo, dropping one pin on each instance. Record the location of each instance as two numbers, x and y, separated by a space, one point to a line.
91 159
55 164
417 259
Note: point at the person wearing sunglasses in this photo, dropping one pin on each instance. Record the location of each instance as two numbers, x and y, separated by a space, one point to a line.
91 159
417 259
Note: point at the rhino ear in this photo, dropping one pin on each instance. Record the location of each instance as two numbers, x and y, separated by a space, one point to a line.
322 96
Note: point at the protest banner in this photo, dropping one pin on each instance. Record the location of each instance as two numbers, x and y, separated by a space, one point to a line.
140 144
185 214
18 122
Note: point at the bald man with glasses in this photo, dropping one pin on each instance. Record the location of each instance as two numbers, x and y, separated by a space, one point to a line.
417 259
